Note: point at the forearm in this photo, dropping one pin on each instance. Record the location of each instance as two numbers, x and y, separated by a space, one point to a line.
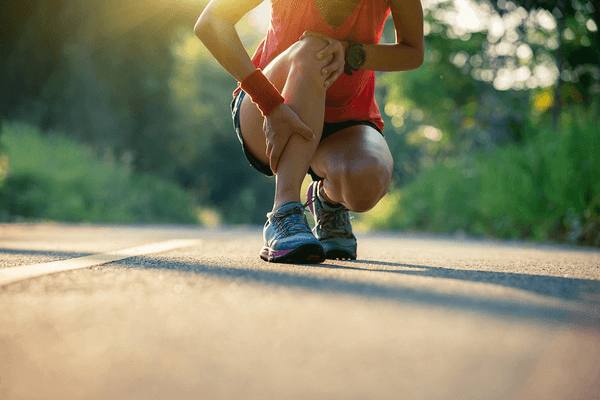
222 40
393 57
408 51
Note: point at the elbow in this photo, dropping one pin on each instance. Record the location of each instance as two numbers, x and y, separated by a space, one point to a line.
211 25
419 57
201 27
204 24
410 63
410 57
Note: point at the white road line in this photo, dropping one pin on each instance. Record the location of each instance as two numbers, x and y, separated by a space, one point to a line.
10 275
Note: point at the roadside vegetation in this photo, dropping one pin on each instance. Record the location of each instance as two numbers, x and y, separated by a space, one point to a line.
547 188
122 115
52 177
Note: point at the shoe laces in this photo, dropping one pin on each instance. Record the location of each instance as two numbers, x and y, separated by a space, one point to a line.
335 223
292 220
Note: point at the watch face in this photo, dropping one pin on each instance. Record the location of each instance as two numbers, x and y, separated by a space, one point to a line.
356 57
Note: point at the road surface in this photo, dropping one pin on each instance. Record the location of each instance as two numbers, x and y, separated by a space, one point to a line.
170 312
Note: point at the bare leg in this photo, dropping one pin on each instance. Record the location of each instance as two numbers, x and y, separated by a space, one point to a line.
297 74
356 164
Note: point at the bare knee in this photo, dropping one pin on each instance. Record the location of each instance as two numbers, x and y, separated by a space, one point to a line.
365 183
303 58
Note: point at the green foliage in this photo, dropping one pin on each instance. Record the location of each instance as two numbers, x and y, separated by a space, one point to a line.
3 159
210 162
478 77
129 79
52 177
546 188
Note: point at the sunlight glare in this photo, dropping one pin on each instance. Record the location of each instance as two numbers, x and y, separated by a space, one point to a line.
470 16
546 20
189 49
431 133
524 52
260 17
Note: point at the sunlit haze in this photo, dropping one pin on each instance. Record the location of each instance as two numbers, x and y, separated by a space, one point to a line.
467 17
260 16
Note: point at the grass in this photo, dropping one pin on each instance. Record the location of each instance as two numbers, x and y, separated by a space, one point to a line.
52 177
545 189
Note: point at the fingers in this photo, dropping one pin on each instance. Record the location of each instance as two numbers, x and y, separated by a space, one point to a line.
333 45
313 34
269 148
335 49
331 48
278 127
333 71
274 158
303 130
273 155
333 76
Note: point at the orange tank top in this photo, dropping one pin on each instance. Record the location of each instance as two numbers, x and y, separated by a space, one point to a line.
350 97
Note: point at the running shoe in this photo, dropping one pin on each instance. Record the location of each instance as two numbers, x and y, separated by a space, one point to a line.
288 238
332 226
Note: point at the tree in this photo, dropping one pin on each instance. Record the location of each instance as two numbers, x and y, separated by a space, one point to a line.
577 48
492 68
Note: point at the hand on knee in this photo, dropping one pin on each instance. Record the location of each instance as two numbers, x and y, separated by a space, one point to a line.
304 61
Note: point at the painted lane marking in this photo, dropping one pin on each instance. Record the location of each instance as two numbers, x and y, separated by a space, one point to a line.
14 274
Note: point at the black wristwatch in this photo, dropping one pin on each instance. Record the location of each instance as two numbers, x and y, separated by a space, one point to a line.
355 57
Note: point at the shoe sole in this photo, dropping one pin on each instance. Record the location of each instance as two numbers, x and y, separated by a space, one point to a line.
338 254
306 254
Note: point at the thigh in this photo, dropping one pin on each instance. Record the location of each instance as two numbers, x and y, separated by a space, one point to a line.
354 148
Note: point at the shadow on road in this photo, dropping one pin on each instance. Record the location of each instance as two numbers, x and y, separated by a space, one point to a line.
560 287
580 312
579 308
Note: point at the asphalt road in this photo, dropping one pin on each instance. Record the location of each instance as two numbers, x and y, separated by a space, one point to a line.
416 317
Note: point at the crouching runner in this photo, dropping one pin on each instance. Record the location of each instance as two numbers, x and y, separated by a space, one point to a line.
305 104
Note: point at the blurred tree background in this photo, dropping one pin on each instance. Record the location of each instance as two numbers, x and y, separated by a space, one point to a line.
496 134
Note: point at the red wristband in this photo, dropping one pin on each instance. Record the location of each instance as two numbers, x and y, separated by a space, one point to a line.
262 92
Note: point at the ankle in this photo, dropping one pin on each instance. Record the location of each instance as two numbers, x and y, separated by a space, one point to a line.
281 202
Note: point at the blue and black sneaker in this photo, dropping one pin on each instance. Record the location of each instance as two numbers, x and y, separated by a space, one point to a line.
288 238
332 226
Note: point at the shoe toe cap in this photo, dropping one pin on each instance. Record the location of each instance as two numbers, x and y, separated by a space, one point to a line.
294 241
